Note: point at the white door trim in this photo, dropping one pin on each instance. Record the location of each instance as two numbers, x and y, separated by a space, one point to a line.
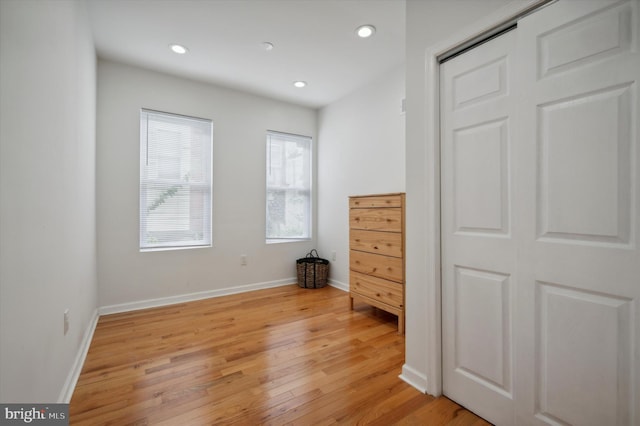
429 271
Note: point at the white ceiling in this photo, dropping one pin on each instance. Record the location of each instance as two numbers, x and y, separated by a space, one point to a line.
314 41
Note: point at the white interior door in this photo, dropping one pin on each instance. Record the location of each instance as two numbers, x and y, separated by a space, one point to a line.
478 231
541 219
578 329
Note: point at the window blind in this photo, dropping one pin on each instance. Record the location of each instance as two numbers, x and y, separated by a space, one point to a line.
175 181
289 185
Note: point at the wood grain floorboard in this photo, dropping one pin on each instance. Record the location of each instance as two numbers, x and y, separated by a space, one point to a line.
281 356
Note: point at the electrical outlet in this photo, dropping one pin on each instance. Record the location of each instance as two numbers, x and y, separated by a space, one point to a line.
66 321
243 259
333 255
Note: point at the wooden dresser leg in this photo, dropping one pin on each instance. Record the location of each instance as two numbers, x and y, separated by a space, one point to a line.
401 324
351 299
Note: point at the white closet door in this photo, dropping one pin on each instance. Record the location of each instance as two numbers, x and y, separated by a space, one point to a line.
540 161
578 290
478 231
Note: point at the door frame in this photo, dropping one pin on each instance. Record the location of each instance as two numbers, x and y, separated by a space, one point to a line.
428 269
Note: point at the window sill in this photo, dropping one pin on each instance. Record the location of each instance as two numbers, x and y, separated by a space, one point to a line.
152 249
286 240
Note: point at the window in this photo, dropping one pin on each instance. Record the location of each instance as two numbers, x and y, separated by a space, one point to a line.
175 181
288 187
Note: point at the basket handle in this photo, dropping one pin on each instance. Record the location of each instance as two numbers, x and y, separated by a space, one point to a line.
310 254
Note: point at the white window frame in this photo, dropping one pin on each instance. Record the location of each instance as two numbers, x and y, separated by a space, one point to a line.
305 188
203 186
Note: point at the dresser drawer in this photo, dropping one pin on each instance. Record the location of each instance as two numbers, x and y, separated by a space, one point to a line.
387 267
386 243
387 292
391 200
376 219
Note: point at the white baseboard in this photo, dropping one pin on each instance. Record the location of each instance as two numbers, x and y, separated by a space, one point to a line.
414 378
171 300
72 378
339 285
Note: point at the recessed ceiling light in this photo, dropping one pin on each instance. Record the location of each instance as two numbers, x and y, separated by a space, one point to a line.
178 48
365 31
267 45
300 84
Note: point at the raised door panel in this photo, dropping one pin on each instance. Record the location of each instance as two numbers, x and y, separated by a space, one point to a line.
481 178
385 243
585 40
480 83
584 167
483 328
585 342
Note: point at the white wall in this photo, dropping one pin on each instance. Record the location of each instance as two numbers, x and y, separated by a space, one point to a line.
428 22
47 194
240 122
361 150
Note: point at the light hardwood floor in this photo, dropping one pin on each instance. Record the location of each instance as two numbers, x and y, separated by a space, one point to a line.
278 356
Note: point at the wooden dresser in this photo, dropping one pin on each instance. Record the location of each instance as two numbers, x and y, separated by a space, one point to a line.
376 252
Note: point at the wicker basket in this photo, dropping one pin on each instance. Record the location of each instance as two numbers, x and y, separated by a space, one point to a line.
313 271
